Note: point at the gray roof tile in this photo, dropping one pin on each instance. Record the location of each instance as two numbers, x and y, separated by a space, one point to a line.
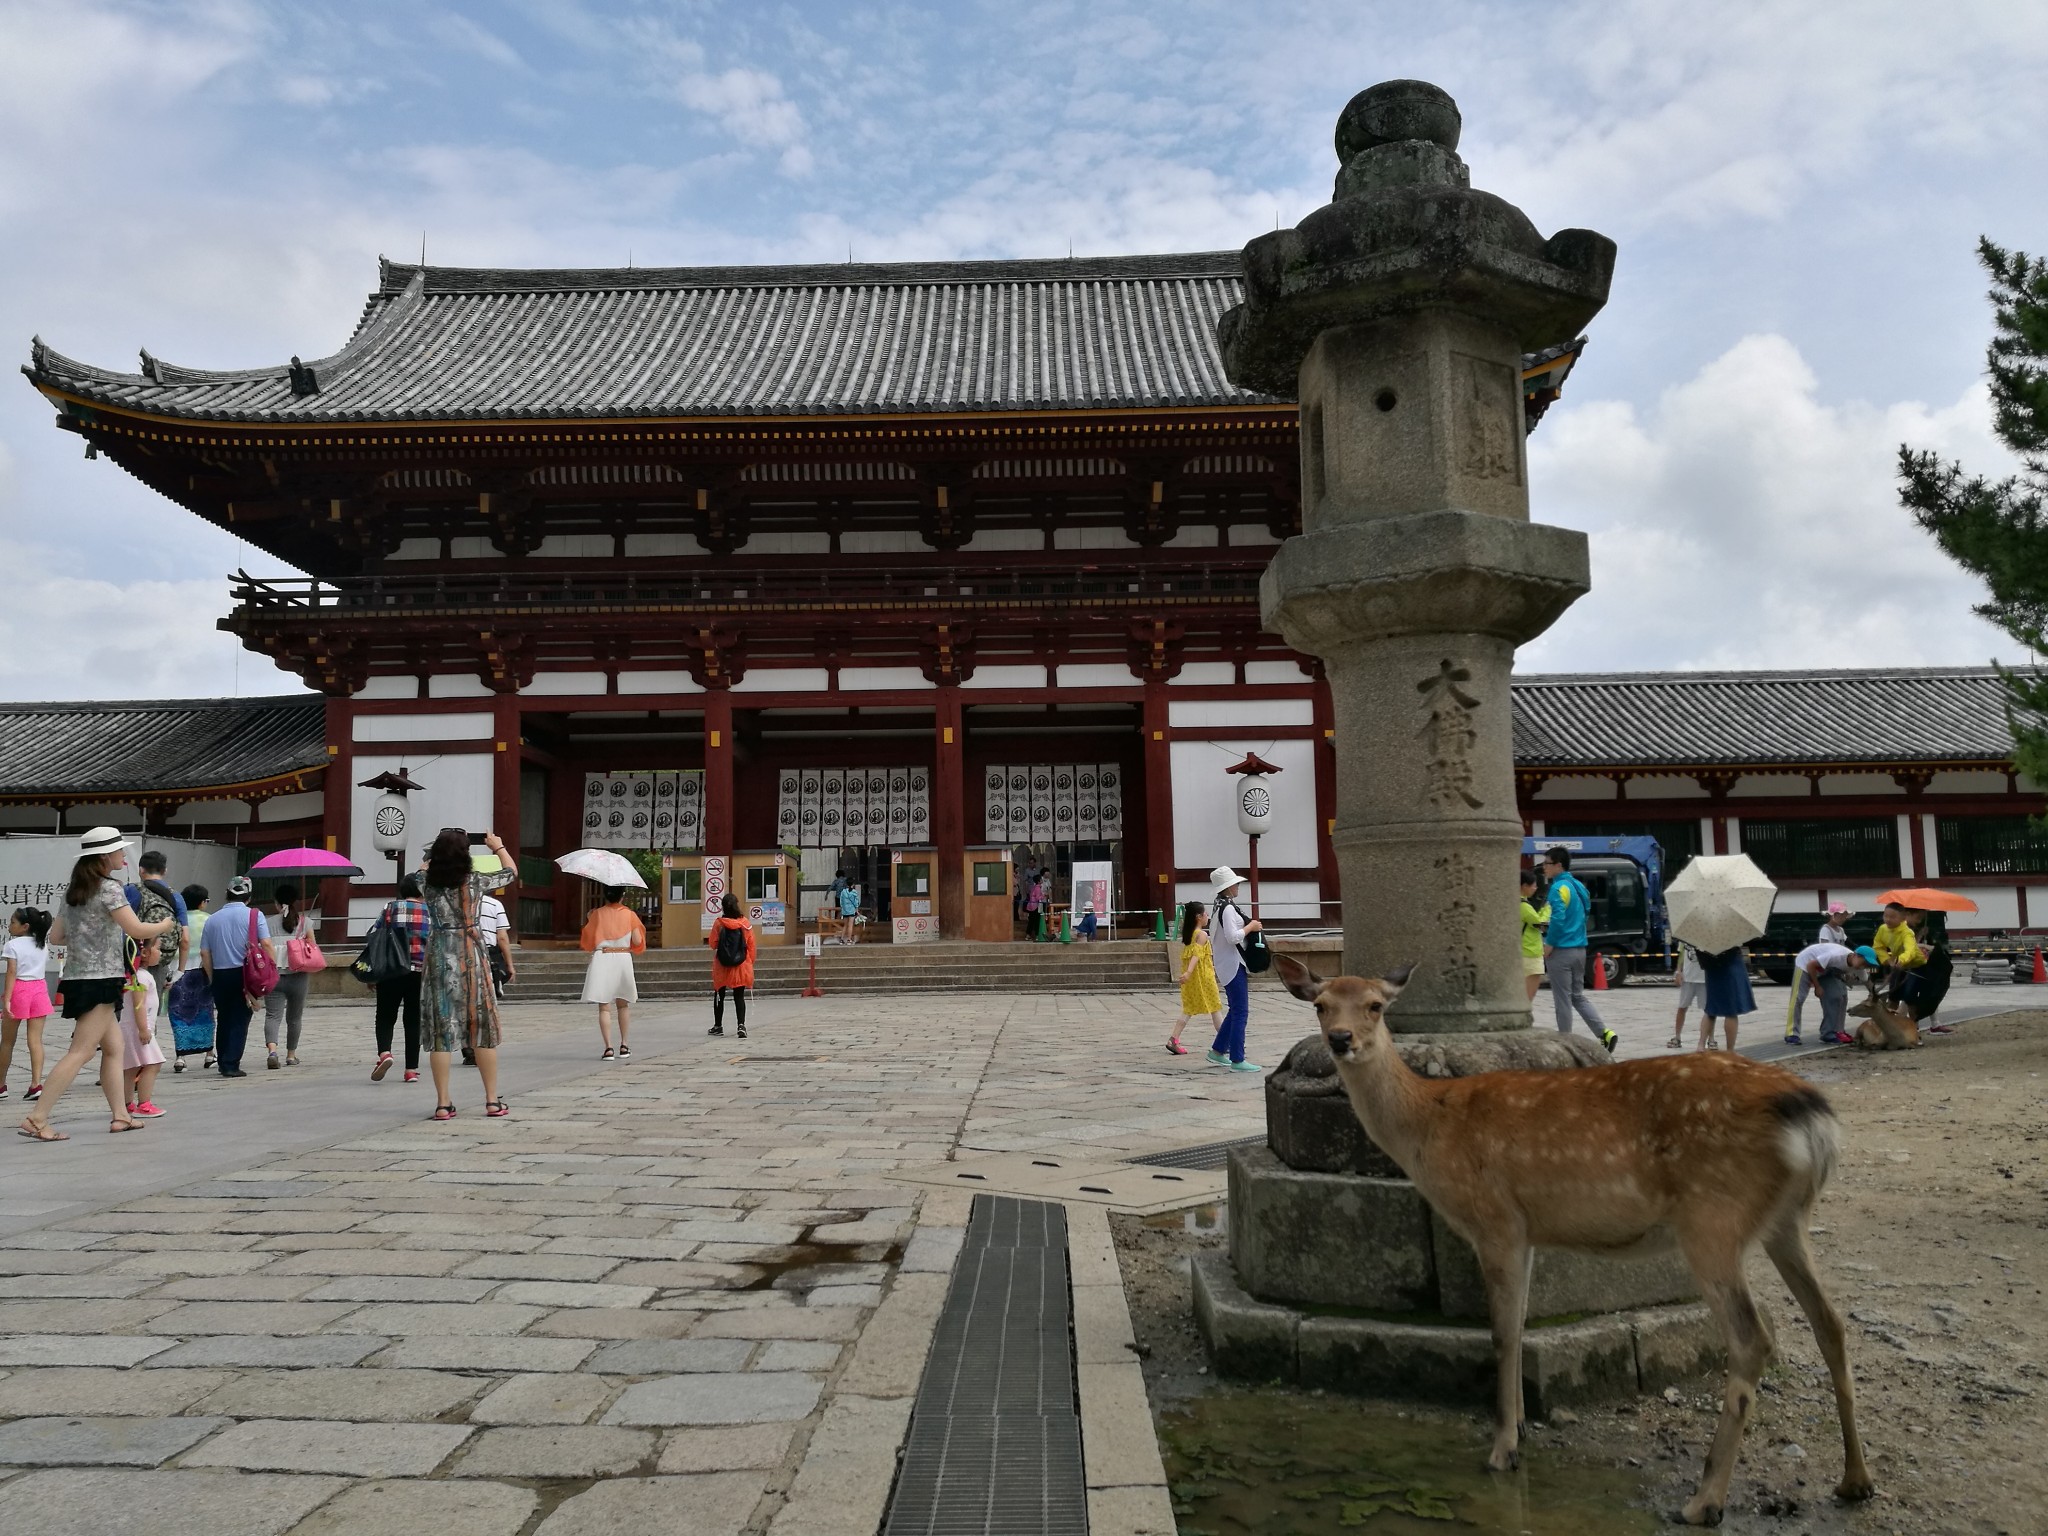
149 746
455 344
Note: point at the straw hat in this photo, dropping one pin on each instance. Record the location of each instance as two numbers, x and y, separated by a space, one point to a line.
1222 878
102 840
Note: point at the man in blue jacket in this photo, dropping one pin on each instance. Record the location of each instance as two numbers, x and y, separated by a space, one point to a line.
1564 959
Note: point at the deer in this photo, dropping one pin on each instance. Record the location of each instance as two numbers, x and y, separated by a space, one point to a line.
1886 1026
1716 1152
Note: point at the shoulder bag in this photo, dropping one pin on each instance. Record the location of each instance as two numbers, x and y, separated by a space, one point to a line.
259 966
302 951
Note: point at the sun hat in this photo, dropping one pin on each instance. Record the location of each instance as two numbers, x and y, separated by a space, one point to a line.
1222 878
102 840
1837 909
240 885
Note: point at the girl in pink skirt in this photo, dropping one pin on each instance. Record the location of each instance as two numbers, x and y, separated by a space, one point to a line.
24 996
141 1057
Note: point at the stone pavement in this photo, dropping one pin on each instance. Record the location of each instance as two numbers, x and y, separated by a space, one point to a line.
679 1294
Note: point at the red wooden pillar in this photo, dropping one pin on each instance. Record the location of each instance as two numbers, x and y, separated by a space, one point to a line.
505 791
718 772
565 833
1159 855
949 811
1325 757
337 791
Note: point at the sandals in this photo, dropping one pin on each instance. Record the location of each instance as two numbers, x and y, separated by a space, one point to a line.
1674 1044
625 1051
1175 1048
118 1127
444 1112
608 1054
35 1132
497 1109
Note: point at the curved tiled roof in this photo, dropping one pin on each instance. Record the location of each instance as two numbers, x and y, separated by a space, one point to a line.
459 344
1927 714
80 751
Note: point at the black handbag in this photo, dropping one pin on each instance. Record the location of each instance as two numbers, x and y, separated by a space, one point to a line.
1253 951
385 955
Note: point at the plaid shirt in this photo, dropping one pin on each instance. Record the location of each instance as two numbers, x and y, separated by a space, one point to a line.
409 917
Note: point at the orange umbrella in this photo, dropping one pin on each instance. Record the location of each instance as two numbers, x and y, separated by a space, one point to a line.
1926 899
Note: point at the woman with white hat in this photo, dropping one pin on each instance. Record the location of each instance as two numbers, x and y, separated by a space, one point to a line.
91 925
1229 927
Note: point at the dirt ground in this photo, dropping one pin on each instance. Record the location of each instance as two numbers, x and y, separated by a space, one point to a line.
1932 1238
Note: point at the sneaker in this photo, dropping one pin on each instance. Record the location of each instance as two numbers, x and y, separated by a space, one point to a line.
35 1091
383 1065
291 1061
412 1077
740 1033
1218 1059
1609 1039
1793 1038
716 1029
146 1109
274 1062
3 1090
1246 1066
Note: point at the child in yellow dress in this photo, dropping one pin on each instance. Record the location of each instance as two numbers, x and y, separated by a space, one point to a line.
1198 990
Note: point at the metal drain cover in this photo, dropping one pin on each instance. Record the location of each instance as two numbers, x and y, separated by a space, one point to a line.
1206 1158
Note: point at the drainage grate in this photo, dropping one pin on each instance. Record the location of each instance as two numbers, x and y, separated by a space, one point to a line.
1207 1158
995 1439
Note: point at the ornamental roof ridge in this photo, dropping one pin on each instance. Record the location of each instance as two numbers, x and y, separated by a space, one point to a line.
139 706
1680 676
395 276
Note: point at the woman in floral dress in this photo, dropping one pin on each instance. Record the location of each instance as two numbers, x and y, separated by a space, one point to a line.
458 1005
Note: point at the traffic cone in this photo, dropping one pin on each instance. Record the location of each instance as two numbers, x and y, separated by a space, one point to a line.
2040 970
1599 983
1159 924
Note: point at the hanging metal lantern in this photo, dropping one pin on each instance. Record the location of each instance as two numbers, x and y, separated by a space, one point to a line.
1254 804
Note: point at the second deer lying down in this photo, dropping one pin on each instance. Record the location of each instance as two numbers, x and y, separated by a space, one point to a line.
1722 1152
1886 1026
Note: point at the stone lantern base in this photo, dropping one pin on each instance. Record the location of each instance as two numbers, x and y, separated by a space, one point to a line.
1340 1276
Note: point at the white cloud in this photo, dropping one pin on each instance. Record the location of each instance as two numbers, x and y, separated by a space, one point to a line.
1744 522
73 629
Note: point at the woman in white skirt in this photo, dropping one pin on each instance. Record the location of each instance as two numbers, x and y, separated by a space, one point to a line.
613 934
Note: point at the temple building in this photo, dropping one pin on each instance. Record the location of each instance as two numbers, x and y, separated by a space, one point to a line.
878 567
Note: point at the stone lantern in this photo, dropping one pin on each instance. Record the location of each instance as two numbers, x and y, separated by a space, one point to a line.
1399 315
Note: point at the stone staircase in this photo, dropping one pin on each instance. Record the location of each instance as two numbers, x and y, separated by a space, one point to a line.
870 969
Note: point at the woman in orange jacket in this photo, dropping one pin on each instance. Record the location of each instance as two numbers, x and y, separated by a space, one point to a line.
613 934
732 964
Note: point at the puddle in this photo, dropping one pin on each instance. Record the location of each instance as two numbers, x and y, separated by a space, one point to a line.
1206 1219
1287 1464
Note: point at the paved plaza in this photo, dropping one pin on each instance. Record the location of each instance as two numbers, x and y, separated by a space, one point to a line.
678 1294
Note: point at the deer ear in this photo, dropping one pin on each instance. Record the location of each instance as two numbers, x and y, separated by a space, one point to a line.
1298 978
1397 978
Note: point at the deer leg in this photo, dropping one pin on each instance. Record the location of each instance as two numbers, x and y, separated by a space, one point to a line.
1789 1251
1749 1347
1505 1269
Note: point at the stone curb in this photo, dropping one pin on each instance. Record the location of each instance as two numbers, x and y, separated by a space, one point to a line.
1126 1478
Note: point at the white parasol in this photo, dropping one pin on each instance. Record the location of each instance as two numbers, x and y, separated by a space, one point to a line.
602 866
1719 901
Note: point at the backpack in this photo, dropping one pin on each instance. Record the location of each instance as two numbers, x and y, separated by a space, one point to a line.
153 907
731 949
385 955
259 967
1253 951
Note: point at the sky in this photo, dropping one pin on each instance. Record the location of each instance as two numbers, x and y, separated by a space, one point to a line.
1796 190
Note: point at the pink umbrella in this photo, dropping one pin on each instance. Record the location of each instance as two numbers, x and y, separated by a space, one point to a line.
306 863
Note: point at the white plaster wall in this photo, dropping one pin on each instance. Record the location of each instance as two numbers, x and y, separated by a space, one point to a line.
1577 789
1666 787
1776 785
1974 782
417 549
1092 538
1205 804
1798 901
456 792
574 546
1998 906
28 818
658 682
874 541
545 684
1275 672
456 685
2037 906
473 547
1859 784
426 727
641 544
363 910
1005 538
1006 677
1277 899
1250 533
212 813
1095 675
106 814
1857 898
1203 674
871 679
389 688
292 807
777 680
1237 714
1905 841
1195 536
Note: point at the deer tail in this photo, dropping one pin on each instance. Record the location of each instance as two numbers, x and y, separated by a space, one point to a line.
1809 1135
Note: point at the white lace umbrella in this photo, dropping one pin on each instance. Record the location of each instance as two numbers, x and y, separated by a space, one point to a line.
1719 901
602 866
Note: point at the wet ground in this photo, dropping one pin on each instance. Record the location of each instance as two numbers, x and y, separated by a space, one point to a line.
1304 1464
